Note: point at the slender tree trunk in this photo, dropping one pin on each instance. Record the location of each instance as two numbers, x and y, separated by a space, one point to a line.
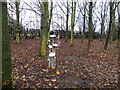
44 28
6 55
67 18
118 45
17 23
110 23
73 21
50 18
83 33
113 25
119 35
102 28
90 25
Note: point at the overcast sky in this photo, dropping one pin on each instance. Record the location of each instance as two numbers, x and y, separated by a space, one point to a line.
30 19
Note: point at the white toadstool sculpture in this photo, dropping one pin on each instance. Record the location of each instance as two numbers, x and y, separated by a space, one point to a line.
52 54
50 46
52 36
55 45
52 59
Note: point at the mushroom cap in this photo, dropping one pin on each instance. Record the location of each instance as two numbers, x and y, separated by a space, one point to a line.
51 54
50 46
55 45
49 40
52 36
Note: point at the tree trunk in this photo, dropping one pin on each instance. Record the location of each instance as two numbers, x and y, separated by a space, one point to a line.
113 24
17 23
102 25
67 18
119 46
83 33
6 55
44 28
73 21
90 25
50 18
102 29
110 23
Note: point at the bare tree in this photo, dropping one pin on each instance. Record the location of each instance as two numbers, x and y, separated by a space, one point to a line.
90 25
73 20
110 23
50 17
17 4
82 9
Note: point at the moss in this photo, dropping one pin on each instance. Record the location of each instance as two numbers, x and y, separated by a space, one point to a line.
44 28
17 38
43 46
0 42
49 35
6 55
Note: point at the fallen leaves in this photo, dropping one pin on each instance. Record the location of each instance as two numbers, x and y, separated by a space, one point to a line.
6 82
53 80
57 72
45 70
16 77
50 84
46 80
52 67
12 58
23 76
73 64
33 59
78 74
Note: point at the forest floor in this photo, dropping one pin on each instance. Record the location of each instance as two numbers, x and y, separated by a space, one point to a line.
75 66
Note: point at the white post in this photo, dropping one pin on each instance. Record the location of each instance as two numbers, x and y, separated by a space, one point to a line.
52 51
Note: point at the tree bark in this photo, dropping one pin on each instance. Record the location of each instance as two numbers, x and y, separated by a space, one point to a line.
73 21
110 23
102 24
17 23
102 28
90 25
118 46
44 28
50 18
113 23
6 54
67 18
84 17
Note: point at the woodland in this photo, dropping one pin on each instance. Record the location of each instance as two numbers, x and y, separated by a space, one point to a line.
63 44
